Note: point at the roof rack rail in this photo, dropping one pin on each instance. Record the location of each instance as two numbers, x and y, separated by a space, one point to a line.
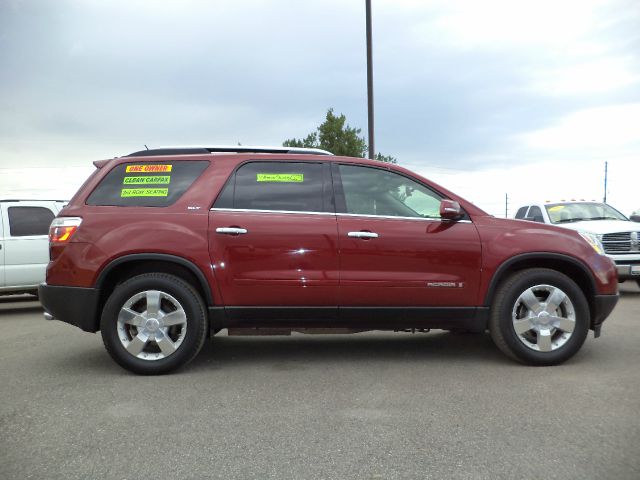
32 200
197 149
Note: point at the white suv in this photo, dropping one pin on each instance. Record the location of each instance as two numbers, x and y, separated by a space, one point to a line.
600 224
24 243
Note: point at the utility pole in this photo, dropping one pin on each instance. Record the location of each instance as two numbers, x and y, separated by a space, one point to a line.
506 205
606 167
370 80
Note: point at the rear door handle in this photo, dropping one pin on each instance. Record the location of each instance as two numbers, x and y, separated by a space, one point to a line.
362 234
231 230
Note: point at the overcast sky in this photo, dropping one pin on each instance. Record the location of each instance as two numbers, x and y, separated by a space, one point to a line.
492 97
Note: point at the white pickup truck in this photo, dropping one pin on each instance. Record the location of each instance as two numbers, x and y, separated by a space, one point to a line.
602 224
24 243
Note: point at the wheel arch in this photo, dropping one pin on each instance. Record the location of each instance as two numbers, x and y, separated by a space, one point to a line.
136 264
573 268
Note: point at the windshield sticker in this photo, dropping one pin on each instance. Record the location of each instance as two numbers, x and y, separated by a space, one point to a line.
280 177
152 179
148 168
144 192
556 208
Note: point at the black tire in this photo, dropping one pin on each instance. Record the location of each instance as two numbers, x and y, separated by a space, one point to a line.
555 344
176 297
638 282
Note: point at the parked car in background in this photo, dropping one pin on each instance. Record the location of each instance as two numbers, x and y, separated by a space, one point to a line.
162 248
24 243
609 229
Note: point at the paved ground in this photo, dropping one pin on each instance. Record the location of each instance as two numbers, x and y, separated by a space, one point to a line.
368 406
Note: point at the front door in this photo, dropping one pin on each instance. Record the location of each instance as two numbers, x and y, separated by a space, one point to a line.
2 282
396 251
273 237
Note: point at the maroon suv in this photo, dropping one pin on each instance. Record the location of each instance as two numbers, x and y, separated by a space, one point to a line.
162 248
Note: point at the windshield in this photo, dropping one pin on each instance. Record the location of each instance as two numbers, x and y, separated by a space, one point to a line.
581 211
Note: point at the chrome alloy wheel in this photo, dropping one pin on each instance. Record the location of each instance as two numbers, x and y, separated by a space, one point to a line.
151 325
543 318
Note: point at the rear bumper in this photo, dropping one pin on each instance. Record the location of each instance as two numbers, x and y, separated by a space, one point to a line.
602 306
73 305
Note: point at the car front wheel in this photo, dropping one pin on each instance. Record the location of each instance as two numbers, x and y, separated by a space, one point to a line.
539 317
153 323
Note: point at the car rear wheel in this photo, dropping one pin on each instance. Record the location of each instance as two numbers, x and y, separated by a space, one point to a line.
153 323
539 317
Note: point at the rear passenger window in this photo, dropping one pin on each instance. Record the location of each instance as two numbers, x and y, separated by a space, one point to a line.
283 186
146 184
27 221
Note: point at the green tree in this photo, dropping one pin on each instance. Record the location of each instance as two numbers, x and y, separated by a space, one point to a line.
337 137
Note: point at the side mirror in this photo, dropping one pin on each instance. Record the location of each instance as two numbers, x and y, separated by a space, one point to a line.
450 210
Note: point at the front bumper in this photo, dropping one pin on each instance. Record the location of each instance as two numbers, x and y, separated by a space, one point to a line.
73 305
602 306
624 270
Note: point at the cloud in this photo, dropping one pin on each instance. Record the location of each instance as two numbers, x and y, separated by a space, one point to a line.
593 77
468 86
608 129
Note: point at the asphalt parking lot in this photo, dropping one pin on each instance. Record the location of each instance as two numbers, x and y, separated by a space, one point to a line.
366 406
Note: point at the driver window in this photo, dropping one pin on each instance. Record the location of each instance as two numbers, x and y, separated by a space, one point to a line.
372 191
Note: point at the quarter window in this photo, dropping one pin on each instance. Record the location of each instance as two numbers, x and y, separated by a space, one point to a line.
372 191
146 184
282 186
27 221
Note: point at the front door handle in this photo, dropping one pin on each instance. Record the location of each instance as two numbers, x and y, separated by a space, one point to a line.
362 234
231 230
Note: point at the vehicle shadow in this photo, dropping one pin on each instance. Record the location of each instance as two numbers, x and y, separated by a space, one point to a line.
293 352
298 351
19 304
90 360
629 289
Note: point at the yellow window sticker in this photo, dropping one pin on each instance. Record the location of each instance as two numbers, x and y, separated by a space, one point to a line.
280 177
148 168
144 192
151 179
556 208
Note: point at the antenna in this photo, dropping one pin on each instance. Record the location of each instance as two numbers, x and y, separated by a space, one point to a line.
146 147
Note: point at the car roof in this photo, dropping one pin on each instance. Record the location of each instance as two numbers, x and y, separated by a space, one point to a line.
160 155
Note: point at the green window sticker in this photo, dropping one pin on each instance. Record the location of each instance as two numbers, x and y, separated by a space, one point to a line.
280 177
153 179
144 192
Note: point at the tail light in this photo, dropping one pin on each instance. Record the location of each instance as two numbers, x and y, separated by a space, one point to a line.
63 228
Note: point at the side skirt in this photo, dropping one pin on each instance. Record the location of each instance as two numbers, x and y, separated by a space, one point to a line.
357 318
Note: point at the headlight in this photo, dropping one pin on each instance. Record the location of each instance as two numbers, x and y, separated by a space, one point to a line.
594 241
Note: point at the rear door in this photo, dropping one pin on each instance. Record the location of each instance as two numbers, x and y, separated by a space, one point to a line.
273 237
26 244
